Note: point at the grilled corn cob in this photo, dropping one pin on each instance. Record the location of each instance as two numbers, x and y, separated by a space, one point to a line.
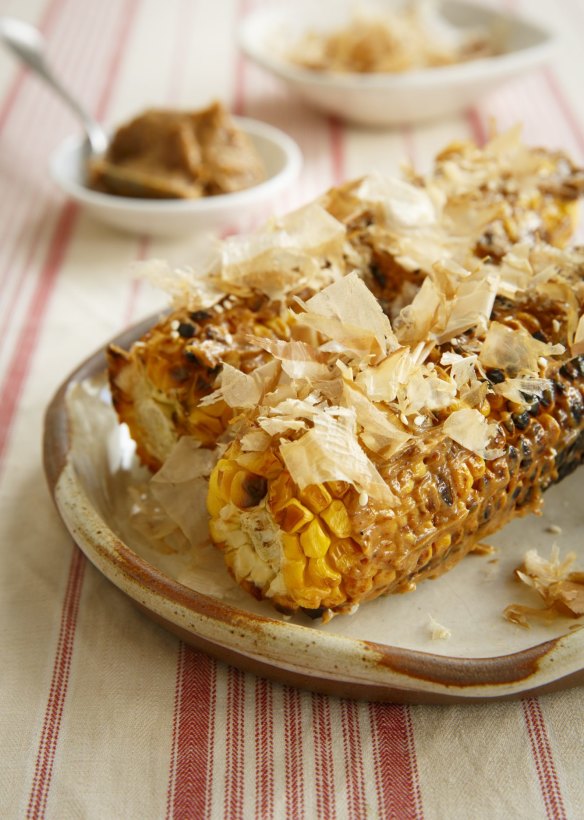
297 529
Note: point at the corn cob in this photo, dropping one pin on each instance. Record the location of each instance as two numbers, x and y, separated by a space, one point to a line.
327 546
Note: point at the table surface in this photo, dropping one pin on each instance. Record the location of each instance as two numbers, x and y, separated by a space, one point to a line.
104 714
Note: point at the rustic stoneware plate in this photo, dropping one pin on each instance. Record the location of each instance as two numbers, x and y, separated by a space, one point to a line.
385 651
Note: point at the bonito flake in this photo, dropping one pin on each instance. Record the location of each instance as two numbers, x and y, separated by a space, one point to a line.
470 428
330 451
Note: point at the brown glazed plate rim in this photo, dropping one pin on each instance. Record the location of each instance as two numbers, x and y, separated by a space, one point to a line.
287 652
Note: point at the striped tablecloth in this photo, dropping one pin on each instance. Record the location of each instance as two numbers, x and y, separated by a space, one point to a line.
105 715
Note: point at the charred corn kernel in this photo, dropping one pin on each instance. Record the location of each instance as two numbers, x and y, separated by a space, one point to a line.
316 497
292 549
293 516
247 489
281 491
337 519
319 572
315 542
266 464
337 488
293 572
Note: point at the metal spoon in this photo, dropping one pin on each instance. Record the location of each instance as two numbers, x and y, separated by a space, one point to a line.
27 43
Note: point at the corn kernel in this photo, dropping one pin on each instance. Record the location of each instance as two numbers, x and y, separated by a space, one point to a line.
247 489
214 501
293 572
216 409
343 554
320 572
337 488
280 492
293 516
337 519
203 426
441 544
226 471
316 497
292 548
266 463
315 542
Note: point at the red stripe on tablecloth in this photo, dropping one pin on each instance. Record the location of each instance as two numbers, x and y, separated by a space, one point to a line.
19 366
235 745
353 754
395 764
189 793
323 758
58 691
264 749
543 758
293 754
477 126
563 104
337 150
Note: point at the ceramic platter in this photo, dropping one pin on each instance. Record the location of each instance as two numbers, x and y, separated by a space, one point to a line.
385 651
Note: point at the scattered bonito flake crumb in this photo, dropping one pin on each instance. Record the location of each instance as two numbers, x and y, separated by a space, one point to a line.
562 590
554 529
438 632
482 549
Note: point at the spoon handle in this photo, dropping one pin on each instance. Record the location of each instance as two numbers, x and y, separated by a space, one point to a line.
27 44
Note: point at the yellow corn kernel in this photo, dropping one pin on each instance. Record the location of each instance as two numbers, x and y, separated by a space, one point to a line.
216 409
280 492
293 516
463 480
419 469
343 554
247 489
441 544
226 471
203 425
266 463
316 497
279 327
215 502
337 488
293 572
292 548
337 519
319 572
315 542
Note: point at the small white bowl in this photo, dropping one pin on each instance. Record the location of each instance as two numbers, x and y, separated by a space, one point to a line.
391 99
173 217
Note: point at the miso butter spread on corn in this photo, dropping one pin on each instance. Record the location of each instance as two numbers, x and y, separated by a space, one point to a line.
391 374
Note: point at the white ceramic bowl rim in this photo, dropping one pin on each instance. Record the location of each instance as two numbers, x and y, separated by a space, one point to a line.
293 161
452 74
